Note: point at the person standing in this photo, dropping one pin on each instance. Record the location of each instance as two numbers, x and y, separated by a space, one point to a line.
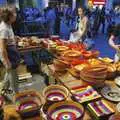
102 19
9 55
114 42
81 29
51 18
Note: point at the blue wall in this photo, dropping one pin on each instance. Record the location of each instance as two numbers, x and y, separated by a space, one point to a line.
3 2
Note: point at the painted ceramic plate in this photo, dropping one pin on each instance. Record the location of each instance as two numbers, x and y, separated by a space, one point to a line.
118 107
112 94
68 110
117 81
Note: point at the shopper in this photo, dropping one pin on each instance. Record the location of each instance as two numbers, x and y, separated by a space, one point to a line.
102 19
8 53
51 18
114 42
81 27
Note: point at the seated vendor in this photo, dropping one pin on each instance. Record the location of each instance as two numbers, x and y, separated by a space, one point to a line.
80 33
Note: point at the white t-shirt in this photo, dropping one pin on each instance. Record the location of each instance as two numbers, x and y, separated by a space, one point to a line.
6 33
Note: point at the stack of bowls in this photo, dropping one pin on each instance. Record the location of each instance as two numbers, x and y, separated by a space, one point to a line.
60 65
94 75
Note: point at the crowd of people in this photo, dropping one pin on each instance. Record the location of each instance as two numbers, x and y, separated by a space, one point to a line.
55 15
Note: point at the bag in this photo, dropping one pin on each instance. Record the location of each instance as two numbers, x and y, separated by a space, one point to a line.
13 56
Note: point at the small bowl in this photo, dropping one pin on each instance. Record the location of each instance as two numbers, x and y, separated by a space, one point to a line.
55 93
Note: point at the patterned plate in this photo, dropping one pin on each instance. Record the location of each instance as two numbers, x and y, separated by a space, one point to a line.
112 94
118 107
84 93
68 110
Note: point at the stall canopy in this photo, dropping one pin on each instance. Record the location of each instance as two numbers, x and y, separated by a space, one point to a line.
99 2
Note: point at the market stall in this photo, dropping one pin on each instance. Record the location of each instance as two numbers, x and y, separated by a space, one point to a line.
87 86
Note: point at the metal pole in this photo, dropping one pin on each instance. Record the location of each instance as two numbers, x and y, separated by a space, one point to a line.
73 4
64 1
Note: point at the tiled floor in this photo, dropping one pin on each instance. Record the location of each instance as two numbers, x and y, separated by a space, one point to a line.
37 83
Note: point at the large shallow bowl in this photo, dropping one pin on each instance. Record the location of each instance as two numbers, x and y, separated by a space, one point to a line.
67 110
28 103
55 93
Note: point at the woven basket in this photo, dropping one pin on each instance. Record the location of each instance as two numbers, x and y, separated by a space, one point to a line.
25 99
75 109
94 75
55 93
